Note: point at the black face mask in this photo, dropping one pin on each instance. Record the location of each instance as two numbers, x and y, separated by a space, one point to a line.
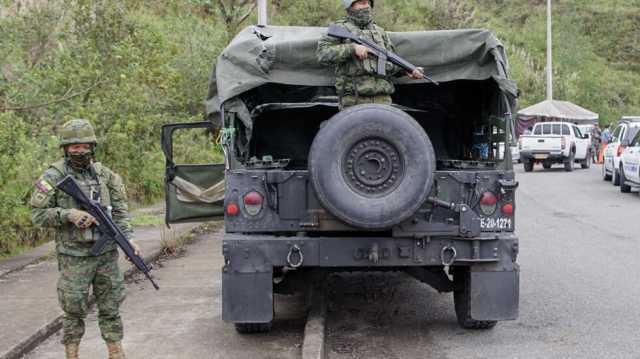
80 159
361 17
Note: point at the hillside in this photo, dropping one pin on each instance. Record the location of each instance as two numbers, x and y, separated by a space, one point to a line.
131 66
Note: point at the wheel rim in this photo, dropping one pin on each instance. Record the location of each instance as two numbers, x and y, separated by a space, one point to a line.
373 167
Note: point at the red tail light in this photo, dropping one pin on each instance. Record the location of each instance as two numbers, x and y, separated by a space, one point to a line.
507 209
563 143
488 203
232 209
620 150
253 203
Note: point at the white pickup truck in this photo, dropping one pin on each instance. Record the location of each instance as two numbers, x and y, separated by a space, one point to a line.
555 142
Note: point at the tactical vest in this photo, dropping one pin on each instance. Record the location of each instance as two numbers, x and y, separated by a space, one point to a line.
360 77
70 239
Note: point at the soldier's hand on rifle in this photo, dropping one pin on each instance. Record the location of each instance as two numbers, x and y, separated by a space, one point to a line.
136 249
81 219
417 74
362 52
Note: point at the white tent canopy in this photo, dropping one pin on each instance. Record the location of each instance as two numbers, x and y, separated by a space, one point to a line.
558 110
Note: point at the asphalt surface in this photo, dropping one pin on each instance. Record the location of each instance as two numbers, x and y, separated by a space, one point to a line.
580 294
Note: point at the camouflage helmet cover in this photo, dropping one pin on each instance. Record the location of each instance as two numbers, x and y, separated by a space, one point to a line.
77 131
347 3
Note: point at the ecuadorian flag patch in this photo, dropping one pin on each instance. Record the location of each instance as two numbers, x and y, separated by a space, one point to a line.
44 186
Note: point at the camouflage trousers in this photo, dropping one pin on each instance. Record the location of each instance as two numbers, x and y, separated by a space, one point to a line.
77 275
348 101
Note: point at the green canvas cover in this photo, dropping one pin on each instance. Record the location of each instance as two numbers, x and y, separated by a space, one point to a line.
287 55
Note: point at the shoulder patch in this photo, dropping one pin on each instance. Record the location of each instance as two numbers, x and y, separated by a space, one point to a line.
43 186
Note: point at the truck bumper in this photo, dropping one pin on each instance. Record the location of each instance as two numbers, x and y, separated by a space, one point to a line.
554 157
247 277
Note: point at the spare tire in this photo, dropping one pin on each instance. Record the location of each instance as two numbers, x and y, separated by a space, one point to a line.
372 166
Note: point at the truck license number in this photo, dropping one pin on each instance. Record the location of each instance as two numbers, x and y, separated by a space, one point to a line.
495 223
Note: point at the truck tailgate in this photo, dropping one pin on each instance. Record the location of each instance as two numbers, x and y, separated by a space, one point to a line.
541 144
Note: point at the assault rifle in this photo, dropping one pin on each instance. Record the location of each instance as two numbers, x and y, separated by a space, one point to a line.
107 228
383 54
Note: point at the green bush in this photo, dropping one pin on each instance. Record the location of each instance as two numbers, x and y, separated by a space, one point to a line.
130 66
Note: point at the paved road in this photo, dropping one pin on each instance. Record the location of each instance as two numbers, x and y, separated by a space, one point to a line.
580 292
182 320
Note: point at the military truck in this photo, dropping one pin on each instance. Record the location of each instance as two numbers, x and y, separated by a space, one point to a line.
424 186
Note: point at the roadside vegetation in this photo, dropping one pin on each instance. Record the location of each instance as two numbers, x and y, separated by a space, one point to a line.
130 66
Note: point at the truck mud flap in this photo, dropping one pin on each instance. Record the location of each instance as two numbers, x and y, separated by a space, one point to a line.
247 297
495 295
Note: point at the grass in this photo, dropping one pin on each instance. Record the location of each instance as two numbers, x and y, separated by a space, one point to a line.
147 220
172 245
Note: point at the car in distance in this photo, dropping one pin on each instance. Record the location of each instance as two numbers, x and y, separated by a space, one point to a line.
630 164
555 142
624 130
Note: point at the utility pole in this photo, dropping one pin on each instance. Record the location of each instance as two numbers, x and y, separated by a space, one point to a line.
549 54
262 13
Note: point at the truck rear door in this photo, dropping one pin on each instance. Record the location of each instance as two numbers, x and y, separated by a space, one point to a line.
194 173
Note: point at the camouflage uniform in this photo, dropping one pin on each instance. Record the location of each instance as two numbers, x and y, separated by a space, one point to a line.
357 81
78 269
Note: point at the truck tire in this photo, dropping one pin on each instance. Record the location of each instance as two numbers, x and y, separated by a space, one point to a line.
587 161
372 166
462 302
546 165
615 178
623 187
569 162
528 165
252 328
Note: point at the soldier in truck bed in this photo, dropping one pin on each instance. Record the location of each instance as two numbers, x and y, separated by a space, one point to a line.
357 81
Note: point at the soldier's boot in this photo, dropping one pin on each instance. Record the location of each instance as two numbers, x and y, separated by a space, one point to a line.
71 351
115 350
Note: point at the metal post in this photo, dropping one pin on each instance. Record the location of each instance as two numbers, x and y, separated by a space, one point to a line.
549 54
262 13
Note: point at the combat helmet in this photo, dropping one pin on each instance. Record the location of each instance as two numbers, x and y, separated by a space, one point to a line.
347 3
77 131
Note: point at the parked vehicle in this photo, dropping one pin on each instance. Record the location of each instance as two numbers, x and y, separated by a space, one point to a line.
630 164
425 186
555 142
625 129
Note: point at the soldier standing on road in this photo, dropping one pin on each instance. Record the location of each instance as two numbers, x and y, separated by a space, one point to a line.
357 79
75 234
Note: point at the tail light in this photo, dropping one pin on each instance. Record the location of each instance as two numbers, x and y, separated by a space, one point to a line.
620 150
488 203
563 143
232 209
507 209
253 203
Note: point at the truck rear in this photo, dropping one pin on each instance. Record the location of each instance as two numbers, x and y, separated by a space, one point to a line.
424 186
555 142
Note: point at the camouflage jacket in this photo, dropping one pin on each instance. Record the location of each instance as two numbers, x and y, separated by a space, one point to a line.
50 207
355 77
